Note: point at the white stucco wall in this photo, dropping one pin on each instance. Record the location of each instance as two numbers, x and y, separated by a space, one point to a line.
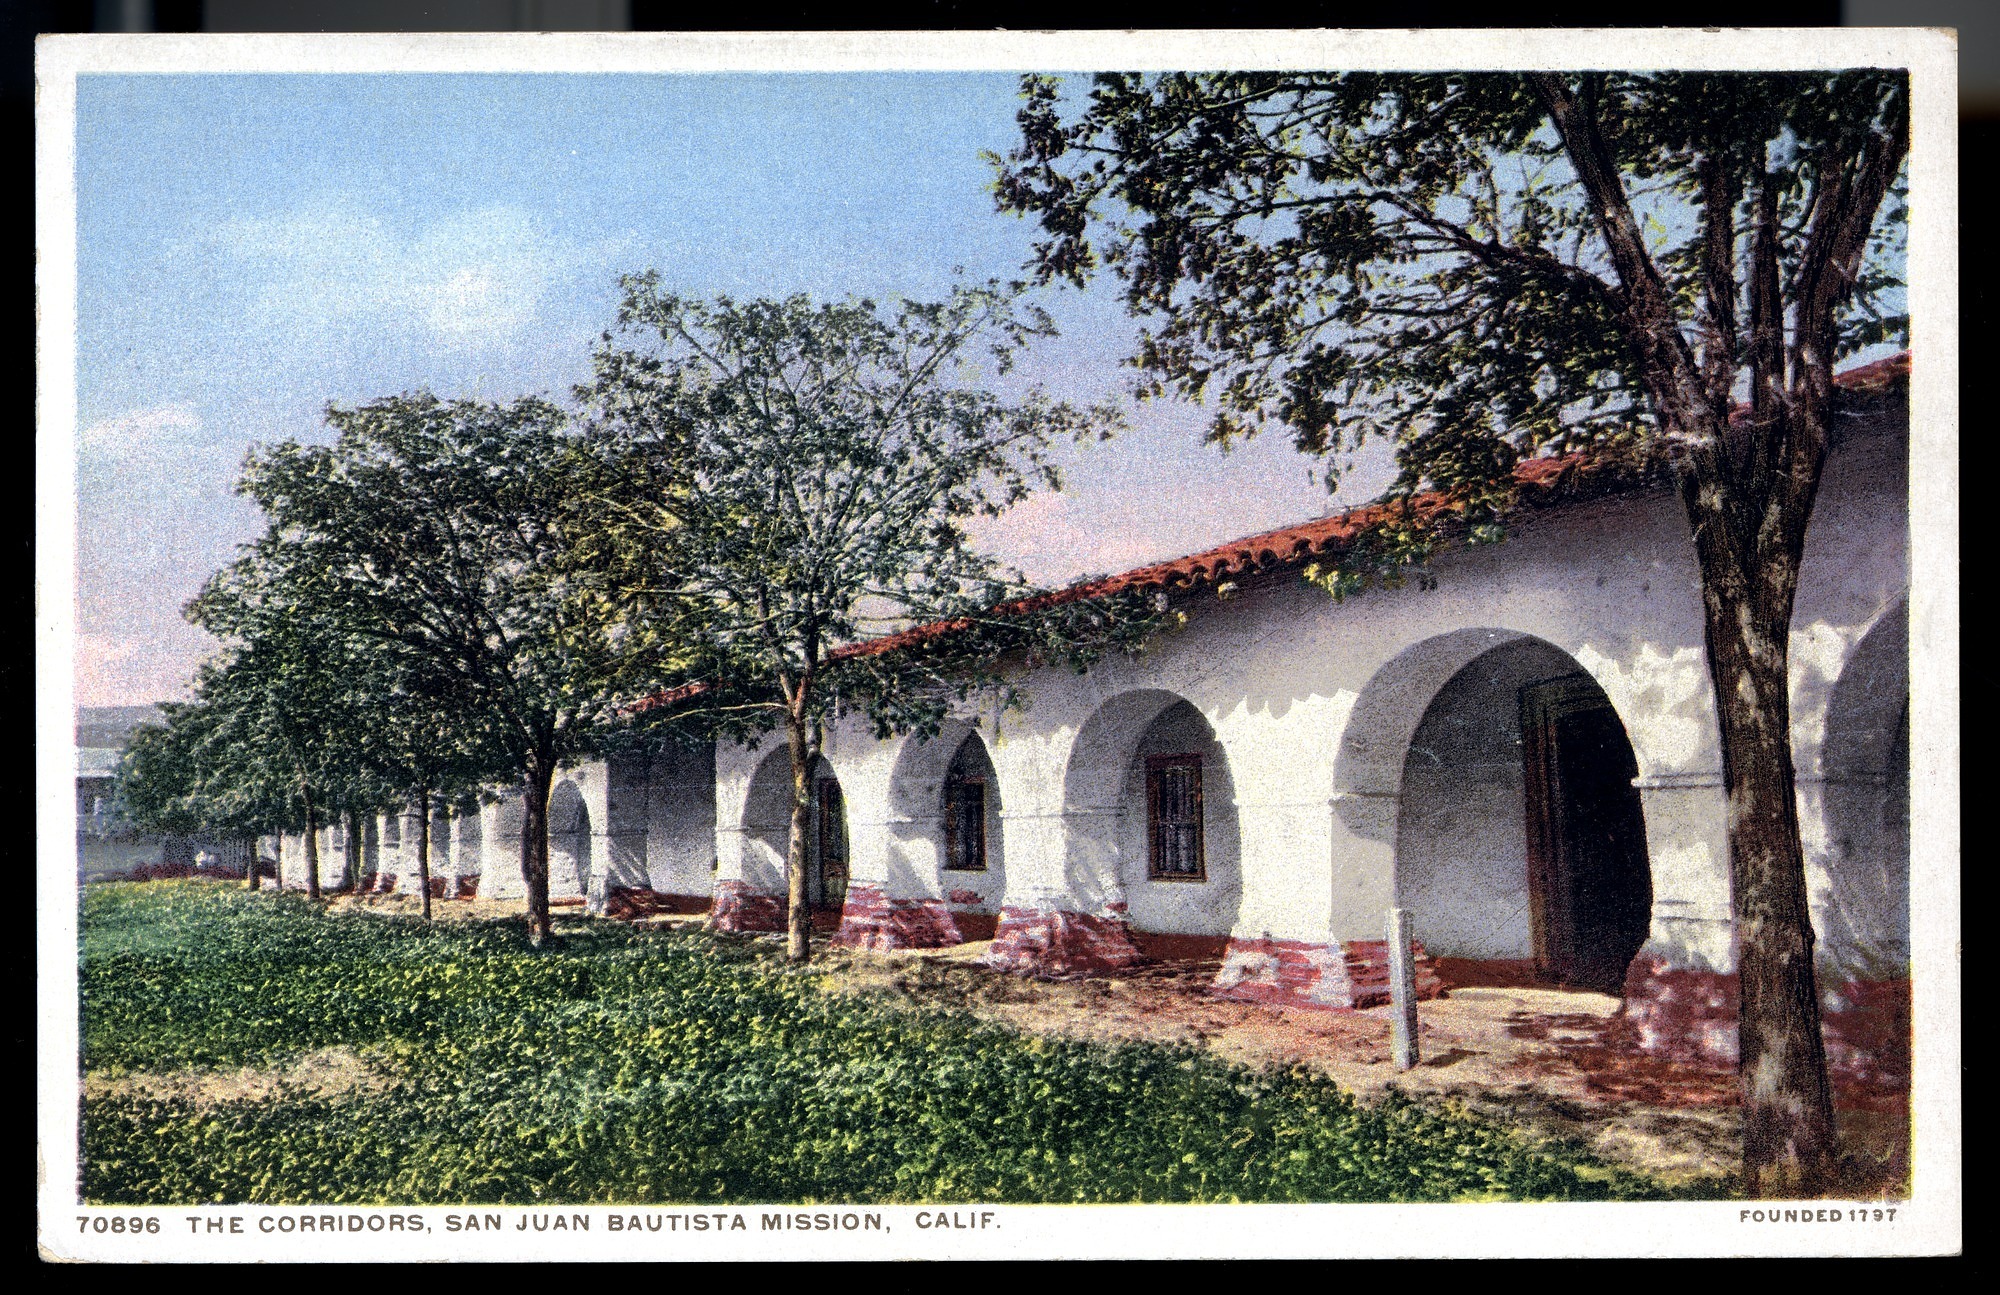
680 820
1312 708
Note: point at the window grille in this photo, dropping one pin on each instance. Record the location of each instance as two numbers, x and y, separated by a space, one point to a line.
1173 818
965 824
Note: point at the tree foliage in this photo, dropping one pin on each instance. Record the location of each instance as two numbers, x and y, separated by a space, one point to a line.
1417 257
782 480
159 783
444 539
1484 267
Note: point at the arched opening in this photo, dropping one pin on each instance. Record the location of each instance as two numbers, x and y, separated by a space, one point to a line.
1864 912
970 803
468 828
569 841
1153 802
826 843
1519 836
767 828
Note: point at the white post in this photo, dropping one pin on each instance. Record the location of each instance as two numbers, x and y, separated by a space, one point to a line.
1402 991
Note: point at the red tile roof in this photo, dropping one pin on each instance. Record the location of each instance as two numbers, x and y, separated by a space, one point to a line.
1288 545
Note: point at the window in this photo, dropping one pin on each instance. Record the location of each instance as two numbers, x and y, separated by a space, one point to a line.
965 824
1173 817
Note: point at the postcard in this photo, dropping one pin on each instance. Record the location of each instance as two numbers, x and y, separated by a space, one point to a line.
972 645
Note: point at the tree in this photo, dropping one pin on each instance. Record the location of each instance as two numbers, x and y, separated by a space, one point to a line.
285 702
162 785
447 534
780 480
1486 267
415 748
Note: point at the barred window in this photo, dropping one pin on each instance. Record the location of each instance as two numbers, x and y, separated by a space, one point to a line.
965 824
1173 817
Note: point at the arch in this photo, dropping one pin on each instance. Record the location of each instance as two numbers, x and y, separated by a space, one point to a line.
1863 908
917 778
767 831
969 801
1376 738
1518 835
569 840
1150 800
932 782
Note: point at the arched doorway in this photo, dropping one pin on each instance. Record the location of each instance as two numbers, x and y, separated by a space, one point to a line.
1152 798
767 827
569 841
1520 838
826 844
1863 914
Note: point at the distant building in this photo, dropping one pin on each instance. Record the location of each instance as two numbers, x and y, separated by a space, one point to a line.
107 845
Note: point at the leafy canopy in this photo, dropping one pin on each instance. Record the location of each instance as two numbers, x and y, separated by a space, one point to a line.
781 479
1416 256
444 537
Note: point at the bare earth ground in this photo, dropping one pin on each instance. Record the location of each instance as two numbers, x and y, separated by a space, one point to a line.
330 1070
1538 1058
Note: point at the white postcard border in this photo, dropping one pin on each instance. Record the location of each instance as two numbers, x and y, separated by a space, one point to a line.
1929 1223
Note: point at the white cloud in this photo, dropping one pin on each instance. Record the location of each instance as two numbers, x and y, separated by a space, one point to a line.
116 670
472 278
161 430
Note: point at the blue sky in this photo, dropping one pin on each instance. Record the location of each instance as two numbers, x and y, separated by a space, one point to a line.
253 247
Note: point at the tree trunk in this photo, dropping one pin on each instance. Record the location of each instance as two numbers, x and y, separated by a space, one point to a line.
798 915
1788 1131
312 852
535 847
251 873
424 849
356 843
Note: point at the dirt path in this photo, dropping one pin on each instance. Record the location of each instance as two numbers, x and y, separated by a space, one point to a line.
1541 1057
316 1074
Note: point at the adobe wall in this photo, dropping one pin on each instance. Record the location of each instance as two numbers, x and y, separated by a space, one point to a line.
1314 708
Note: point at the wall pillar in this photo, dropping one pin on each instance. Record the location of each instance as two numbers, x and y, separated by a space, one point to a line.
619 848
1064 913
1680 991
680 824
744 900
1318 883
500 848
465 841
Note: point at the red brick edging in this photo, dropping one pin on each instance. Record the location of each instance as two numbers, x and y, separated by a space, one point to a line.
739 909
1056 943
1690 1015
1304 973
871 920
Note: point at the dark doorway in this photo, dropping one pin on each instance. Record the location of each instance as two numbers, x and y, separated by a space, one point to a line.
1591 893
826 878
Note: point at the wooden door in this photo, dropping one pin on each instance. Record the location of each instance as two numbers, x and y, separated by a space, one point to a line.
1589 882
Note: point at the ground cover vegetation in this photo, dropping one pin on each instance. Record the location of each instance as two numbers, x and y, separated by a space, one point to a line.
650 1064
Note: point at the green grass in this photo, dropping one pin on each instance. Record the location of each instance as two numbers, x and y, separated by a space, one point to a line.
650 1065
